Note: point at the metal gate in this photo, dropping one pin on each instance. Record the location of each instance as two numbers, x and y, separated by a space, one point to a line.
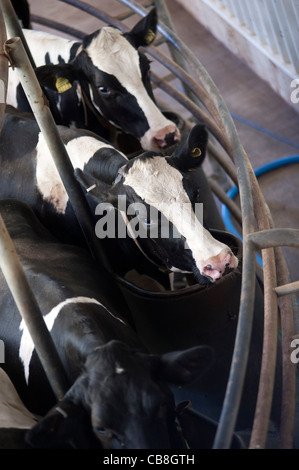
202 101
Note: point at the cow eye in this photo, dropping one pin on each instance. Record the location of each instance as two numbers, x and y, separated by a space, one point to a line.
106 436
104 91
103 432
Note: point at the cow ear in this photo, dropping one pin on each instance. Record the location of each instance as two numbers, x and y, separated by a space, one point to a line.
191 153
182 367
144 32
57 77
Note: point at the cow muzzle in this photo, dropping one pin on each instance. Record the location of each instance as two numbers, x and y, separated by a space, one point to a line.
166 137
162 139
218 266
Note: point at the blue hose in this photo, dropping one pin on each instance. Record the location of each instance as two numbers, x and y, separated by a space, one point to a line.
234 191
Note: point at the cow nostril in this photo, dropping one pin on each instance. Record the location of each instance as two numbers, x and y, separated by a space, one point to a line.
165 140
170 138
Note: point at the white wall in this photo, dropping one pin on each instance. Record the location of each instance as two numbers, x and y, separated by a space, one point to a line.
263 33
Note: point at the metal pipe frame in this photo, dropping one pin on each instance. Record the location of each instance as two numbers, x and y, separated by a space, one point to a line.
254 211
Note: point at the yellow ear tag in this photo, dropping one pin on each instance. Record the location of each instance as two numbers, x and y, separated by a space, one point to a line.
150 36
62 84
196 152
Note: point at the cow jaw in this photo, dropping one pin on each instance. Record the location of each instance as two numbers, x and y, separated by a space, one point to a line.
164 190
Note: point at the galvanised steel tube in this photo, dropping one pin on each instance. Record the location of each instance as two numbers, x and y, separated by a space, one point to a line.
286 289
30 312
275 237
191 106
288 316
58 26
44 118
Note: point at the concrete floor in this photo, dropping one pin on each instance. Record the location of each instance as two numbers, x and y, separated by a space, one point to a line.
267 126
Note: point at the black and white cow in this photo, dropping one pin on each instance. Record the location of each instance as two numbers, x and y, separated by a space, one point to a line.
123 388
104 75
137 188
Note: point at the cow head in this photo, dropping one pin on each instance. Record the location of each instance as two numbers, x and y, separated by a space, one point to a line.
115 76
158 195
126 395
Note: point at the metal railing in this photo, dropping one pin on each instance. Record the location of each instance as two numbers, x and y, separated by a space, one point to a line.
258 233
273 24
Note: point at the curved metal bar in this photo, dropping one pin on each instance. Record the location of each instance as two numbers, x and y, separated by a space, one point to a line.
178 58
258 436
58 26
224 161
267 374
275 237
94 12
289 288
223 197
188 104
288 314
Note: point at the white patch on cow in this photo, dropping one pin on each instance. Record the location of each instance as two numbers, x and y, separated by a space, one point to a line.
27 345
164 190
50 186
39 43
112 53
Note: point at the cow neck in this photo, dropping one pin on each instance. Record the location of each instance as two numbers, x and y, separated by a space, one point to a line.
161 267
